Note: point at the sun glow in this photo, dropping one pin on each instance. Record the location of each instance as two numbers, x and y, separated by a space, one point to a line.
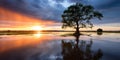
36 28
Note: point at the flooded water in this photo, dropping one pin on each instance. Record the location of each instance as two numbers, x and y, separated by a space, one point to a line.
60 46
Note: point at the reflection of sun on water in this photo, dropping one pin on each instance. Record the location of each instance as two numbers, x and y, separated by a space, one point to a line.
38 34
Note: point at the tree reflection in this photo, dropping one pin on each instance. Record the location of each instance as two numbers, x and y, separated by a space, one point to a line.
99 33
79 50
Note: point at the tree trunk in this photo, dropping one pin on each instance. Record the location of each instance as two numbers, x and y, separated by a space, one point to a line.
77 32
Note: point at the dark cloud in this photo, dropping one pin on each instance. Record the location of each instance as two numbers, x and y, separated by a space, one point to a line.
81 1
52 9
99 3
106 4
42 9
58 1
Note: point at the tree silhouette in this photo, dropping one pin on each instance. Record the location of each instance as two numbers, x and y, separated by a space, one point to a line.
99 31
78 16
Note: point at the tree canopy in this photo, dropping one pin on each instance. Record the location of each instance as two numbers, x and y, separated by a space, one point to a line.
79 16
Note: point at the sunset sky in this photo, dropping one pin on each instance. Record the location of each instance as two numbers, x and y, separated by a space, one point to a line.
25 14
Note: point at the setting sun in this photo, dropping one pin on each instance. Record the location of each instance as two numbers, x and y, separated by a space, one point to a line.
36 28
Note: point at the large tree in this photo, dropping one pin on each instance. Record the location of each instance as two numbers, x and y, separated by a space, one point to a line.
78 16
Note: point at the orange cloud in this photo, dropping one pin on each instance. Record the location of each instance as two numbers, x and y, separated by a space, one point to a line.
13 20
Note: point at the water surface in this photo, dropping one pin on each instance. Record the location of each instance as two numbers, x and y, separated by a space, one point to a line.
60 46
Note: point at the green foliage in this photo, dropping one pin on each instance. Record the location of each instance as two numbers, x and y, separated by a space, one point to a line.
79 16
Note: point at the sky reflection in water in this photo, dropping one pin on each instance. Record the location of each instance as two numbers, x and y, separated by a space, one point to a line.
50 46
